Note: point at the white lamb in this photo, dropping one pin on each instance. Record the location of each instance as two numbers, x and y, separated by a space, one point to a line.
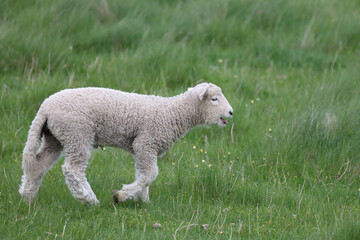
79 120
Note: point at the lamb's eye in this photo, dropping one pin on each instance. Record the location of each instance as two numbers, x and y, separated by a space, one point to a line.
214 99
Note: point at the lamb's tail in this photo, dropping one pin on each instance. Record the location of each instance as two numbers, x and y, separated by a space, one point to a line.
29 185
34 139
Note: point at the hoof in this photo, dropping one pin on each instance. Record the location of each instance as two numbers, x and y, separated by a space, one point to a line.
93 202
90 201
120 196
115 198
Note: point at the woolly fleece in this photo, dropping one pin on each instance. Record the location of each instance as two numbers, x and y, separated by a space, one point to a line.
79 120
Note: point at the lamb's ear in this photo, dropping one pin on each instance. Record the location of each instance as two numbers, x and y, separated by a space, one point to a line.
202 93
200 90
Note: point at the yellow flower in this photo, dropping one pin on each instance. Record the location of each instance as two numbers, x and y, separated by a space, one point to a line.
270 130
252 101
201 150
194 147
203 161
209 165
173 164
220 61
229 153
196 165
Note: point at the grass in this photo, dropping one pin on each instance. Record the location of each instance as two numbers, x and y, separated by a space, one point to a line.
287 166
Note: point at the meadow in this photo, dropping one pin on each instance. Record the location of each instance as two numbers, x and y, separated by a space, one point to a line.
286 167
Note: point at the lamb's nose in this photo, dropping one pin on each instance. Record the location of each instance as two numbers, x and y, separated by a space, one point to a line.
230 112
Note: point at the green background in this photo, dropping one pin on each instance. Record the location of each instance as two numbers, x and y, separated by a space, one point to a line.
287 165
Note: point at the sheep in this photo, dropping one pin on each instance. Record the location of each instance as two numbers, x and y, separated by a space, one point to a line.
80 120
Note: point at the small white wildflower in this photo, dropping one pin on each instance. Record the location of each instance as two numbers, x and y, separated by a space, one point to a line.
205 227
156 225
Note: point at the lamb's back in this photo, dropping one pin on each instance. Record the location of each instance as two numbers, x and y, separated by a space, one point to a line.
112 114
99 102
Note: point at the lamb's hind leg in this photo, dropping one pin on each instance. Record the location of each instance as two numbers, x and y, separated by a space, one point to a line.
146 172
74 169
35 169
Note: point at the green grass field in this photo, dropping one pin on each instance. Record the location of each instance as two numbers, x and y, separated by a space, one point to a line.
286 167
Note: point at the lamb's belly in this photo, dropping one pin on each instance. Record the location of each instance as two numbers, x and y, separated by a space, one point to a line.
116 141
163 147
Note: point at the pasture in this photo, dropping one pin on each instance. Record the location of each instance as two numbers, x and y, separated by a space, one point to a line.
286 167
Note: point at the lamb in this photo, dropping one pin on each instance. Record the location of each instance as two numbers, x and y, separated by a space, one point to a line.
79 120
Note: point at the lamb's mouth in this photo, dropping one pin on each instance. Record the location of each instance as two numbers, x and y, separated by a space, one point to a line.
223 120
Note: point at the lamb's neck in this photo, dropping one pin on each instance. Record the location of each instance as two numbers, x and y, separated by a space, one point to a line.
185 112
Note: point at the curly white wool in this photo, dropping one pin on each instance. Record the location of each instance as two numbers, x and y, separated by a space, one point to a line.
79 120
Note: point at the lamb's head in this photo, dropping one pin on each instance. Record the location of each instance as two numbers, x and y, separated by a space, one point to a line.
213 105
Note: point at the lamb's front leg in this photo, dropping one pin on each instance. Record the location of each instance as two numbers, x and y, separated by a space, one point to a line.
146 172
